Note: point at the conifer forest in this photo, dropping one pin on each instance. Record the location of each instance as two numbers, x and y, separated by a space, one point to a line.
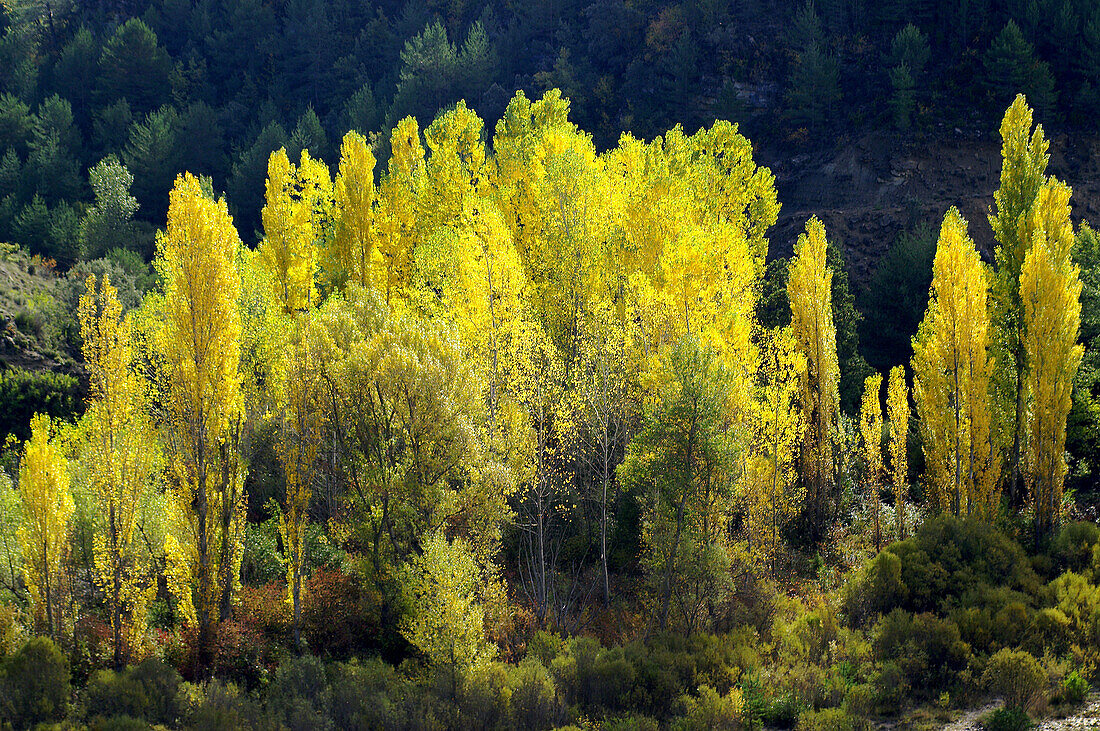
564 364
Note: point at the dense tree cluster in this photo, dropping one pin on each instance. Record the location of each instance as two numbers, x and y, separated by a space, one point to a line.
103 103
491 390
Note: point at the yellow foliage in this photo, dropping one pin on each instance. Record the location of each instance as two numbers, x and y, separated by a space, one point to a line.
952 372
47 507
1050 289
897 411
809 287
122 455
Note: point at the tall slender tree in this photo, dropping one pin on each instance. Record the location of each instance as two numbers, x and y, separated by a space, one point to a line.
1023 166
809 289
952 372
198 345
47 507
1051 292
122 458
897 414
870 429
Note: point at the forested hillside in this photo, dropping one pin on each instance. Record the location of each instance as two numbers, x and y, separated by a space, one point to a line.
457 366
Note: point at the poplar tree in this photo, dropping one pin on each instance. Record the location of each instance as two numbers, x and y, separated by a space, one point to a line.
770 487
1024 161
952 372
121 454
47 507
1050 289
351 257
870 429
809 289
198 346
897 413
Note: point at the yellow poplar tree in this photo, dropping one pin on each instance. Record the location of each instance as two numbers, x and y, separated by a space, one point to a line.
396 217
121 455
770 487
809 289
298 203
952 372
1023 165
353 252
198 346
299 441
1051 289
897 411
870 429
47 507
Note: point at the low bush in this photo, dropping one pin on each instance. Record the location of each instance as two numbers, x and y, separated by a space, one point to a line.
927 650
1006 719
34 685
1017 677
710 711
827 719
1074 688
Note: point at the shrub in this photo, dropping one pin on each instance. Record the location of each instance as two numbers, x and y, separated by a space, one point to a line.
535 701
340 616
1006 719
928 650
149 691
299 696
34 687
1017 677
827 719
220 708
1074 688
370 695
483 699
118 723
24 393
1072 547
877 588
709 711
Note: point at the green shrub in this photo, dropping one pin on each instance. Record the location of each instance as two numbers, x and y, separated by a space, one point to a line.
299 695
1072 547
370 695
535 703
34 685
710 711
928 650
118 723
891 688
149 691
483 699
221 708
1006 719
1017 677
827 719
1074 688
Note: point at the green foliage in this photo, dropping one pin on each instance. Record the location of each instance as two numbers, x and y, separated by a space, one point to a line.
1074 688
927 650
135 68
1011 68
24 393
34 685
151 691
1006 719
107 224
896 299
1017 677
813 90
